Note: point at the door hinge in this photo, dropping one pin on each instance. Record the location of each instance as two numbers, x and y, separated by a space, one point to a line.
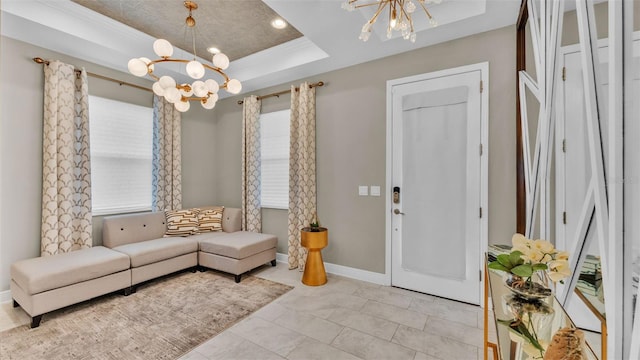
564 217
564 145
564 73
481 86
480 149
480 212
480 275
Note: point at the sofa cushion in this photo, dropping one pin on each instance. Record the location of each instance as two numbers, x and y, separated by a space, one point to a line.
210 219
51 272
129 228
182 222
151 251
239 244
231 218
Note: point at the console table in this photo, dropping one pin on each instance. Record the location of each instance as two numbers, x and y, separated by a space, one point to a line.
511 346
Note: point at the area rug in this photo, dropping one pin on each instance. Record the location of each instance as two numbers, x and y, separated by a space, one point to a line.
164 319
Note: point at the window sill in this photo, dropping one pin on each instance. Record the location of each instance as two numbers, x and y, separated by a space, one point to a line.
107 212
272 207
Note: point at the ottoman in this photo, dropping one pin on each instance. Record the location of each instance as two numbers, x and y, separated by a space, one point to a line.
44 284
237 252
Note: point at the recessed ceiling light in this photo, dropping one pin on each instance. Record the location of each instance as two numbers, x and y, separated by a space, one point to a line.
214 50
278 23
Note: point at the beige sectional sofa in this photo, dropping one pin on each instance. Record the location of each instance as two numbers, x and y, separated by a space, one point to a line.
231 250
135 250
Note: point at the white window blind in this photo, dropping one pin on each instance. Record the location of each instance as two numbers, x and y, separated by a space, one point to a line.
274 146
121 136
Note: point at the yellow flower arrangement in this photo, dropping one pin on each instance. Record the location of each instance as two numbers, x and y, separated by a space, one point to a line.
528 256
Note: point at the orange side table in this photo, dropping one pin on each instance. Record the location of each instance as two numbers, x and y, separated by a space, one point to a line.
314 241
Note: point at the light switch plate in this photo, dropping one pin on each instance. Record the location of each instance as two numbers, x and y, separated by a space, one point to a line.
363 190
375 190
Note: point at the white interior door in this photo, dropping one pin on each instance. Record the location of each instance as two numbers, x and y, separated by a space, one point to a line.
436 225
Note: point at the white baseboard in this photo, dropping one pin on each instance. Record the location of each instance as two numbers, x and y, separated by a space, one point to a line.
353 273
5 296
282 258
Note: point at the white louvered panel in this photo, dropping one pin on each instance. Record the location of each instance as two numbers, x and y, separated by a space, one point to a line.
121 155
274 137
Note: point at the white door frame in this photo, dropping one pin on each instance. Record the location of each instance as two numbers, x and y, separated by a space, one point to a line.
484 136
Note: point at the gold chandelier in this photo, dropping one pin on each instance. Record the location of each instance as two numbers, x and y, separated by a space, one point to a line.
181 94
399 14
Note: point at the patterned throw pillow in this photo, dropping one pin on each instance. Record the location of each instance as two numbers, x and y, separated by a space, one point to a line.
182 222
210 219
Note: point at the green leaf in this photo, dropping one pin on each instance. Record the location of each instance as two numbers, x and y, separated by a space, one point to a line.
538 267
524 270
515 258
522 328
497 266
504 260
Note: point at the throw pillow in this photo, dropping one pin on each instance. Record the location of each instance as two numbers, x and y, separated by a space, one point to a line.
181 222
210 219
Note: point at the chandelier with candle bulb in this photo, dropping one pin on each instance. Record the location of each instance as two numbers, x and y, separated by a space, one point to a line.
206 92
399 15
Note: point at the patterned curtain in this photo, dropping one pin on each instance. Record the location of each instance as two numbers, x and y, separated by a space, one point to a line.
302 170
251 211
167 167
66 165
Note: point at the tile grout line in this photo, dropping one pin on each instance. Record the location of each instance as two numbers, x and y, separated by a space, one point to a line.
346 351
260 346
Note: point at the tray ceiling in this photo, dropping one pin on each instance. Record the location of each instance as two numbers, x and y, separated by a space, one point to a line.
237 28
321 37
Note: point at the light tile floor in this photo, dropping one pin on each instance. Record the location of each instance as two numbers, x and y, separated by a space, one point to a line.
349 319
344 319
11 317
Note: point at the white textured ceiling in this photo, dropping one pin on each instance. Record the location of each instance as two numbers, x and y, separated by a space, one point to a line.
329 41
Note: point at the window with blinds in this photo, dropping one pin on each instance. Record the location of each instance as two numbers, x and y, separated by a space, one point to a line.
274 145
121 136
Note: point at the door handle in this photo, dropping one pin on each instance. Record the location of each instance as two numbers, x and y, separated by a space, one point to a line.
397 212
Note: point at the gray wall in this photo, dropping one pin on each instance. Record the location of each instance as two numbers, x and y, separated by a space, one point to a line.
570 26
350 140
351 121
350 146
21 107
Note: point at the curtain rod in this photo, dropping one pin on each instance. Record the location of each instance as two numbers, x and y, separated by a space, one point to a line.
119 82
277 94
